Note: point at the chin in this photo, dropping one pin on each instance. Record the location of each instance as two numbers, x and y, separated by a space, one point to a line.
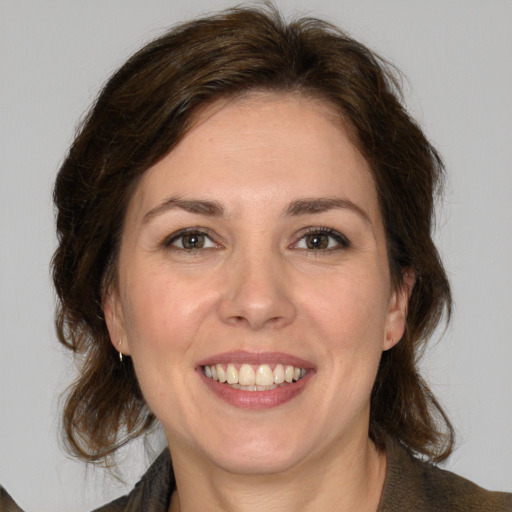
258 450
255 460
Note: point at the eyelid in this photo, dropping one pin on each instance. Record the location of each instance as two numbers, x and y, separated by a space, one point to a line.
168 241
342 241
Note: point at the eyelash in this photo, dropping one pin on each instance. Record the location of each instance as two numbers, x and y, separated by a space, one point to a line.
340 239
170 240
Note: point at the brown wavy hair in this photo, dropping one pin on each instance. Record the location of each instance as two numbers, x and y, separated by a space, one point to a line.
146 108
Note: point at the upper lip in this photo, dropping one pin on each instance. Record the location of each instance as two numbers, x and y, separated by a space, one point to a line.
256 358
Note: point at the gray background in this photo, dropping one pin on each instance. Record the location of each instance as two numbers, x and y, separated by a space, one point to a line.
456 55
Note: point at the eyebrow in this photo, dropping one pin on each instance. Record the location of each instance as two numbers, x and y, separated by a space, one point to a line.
201 207
322 204
296 208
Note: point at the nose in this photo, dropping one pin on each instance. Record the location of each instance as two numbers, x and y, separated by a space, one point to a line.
257 294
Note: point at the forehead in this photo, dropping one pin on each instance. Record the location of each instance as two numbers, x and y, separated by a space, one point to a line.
261 146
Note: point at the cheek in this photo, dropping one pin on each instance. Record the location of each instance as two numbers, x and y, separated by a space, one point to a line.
350 309
162 313
349 316
163 319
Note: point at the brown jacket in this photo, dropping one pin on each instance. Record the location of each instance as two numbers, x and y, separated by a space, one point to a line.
411 486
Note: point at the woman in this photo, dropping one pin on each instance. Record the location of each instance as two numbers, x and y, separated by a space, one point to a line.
245 255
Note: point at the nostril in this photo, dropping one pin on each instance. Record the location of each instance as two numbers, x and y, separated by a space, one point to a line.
237 320
256 310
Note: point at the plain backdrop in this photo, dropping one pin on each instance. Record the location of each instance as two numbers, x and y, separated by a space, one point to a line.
456 55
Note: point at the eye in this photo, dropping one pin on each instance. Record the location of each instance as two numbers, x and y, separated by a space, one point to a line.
190 240
321 239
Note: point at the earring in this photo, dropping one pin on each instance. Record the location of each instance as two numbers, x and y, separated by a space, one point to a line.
120 353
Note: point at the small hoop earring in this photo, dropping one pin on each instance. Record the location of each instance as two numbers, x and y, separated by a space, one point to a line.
120 353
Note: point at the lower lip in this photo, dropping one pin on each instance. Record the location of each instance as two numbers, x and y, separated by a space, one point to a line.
256 400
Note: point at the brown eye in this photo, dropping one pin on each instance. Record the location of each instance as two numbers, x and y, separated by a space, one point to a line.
193 241
317 241
190 241
322 239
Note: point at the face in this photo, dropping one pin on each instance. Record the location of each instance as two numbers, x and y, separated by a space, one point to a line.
255 253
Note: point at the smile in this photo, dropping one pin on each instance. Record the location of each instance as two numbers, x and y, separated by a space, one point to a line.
247 377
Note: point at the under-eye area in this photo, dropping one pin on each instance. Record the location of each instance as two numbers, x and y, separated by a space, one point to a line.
247 377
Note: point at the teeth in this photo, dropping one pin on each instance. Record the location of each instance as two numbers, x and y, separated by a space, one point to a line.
231 374
249 378
253 388
221 373
279 374
246 375
264 375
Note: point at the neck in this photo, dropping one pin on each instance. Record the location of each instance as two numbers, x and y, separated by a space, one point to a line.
344 480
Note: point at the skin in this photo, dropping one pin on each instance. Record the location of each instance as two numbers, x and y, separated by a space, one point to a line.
257 286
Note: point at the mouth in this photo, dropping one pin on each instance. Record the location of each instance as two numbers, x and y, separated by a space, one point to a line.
249 377
256 381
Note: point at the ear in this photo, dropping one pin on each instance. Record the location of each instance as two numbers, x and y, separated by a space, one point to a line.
114 319
397 310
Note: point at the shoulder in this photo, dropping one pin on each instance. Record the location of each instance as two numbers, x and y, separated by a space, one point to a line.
413 484
153 491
